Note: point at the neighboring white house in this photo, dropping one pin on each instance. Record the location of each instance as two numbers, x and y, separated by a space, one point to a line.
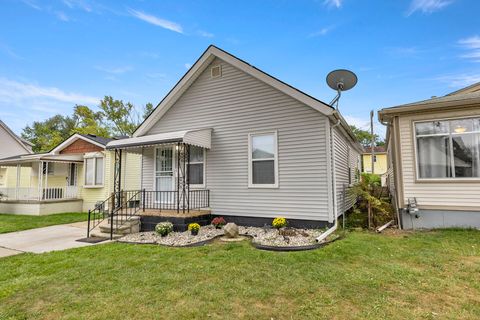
434 159
11 145
236 141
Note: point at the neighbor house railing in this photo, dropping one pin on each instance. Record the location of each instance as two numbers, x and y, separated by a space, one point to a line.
36 194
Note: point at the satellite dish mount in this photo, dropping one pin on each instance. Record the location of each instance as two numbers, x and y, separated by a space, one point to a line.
340 80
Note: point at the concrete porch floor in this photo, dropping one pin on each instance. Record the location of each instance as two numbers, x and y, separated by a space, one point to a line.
173 213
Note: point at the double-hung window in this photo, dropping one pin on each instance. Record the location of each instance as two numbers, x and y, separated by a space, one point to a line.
196 167
263 160
448 149
94 171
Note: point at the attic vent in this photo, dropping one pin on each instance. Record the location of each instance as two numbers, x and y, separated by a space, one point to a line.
216 71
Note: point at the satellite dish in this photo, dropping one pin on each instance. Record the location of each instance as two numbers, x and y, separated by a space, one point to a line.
341 80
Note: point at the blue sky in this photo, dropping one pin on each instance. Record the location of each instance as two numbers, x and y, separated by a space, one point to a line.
55 54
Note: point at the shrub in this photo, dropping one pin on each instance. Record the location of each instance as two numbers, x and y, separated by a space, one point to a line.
193 227
218 222
279 222
164 228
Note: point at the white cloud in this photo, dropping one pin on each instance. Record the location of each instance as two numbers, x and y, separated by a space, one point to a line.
333 3
17 93
62 16
9 52
166 24
364 124
115 70
32 4
427 6
459 80
187 65
73 4
205 34
321 32
471 44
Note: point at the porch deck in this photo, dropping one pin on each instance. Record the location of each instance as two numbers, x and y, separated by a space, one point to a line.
174 213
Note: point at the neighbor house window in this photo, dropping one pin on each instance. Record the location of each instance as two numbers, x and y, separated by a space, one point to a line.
263 160
94 172
196 166
448 149
48 168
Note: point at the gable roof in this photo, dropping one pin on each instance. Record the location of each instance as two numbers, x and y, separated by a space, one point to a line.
470 89
437 103
22 142
202 63
91 138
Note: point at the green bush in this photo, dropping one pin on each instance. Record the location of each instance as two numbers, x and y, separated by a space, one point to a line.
164 228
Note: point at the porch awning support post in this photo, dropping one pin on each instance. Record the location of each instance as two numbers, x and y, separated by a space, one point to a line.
187 165
117 178
40 180
17 185
178 177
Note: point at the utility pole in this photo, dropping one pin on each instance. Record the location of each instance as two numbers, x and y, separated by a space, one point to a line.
372 143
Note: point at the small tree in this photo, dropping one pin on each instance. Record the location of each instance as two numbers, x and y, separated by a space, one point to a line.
378 209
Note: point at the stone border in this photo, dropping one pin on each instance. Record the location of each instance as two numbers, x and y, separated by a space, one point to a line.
255 245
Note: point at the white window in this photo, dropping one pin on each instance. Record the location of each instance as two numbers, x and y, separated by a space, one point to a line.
263 160
196 167
94 169
448 149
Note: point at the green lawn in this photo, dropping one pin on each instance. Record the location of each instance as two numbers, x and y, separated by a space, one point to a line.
425 275
12 222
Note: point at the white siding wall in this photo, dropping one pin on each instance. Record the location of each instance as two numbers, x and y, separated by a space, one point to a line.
235 105
9 146
441 194
346 159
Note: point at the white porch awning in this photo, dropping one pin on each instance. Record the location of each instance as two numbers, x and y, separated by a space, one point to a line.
197 137
29 158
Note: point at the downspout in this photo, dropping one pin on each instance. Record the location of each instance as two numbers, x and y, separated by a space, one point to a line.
324 235
395 201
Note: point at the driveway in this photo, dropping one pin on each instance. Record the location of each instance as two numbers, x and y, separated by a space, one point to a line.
45 239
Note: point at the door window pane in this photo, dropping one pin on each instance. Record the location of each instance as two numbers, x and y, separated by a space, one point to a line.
434 157
263 172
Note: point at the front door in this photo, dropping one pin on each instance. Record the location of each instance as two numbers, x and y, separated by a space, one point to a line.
164 174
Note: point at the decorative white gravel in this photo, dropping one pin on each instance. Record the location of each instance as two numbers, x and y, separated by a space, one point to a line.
271 237
177 239
263 236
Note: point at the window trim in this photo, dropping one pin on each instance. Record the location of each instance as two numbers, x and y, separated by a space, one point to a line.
449 135
275 159
204 162
91 186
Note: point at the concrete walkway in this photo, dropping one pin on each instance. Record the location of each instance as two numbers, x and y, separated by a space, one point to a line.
45 239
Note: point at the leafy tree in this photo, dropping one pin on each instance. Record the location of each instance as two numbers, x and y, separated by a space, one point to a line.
114 118
45 135
365 137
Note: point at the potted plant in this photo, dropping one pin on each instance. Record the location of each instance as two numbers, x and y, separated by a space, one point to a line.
279 223
218 222
194 228
164 228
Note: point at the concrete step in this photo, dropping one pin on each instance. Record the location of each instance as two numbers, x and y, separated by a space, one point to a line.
98 233
126 228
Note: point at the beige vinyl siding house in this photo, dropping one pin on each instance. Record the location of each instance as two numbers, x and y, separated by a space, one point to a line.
435 158
266 145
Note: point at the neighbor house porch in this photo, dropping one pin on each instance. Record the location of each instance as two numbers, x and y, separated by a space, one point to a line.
51 185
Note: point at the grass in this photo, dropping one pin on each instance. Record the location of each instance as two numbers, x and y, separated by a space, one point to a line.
13 222
424 275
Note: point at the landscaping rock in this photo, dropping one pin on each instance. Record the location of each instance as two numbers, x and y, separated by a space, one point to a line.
231 230
272 237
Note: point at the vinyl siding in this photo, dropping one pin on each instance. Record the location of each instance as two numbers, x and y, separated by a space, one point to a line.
9 146
346 159
235 105
438 194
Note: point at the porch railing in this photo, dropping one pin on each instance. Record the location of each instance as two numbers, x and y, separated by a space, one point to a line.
174 200
36 194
